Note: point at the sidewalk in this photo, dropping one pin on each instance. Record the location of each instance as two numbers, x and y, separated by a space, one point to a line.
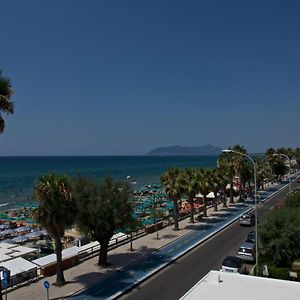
88 272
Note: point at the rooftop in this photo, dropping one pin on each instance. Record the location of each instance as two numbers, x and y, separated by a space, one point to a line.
229 286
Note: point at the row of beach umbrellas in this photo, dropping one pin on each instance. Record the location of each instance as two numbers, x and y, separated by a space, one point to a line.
22 238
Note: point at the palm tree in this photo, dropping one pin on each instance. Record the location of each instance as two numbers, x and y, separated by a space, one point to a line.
223 177
216 183
190 188
271 158
6 105
205 187
240 167
173 185
297 156
262 171
55 212
226 160
290 153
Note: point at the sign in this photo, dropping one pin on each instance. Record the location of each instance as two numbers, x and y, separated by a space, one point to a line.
6 276
46 284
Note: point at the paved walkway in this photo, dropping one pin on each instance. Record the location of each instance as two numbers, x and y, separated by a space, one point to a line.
88 272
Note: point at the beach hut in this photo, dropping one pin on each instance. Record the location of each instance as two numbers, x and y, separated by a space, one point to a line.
47 263
20 270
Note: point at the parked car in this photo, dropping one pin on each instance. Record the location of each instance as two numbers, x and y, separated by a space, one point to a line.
247 252
233 264
251 237
247 219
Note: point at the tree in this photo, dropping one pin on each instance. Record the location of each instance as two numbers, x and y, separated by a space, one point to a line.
262 171
190 188
102 208
240 167
173 185
279 236
297 156
271 158
217 185
205 186
224 180
55 212
6 105
226 160
280 232
156 214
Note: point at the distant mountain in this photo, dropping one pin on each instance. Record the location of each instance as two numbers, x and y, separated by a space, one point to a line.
180 150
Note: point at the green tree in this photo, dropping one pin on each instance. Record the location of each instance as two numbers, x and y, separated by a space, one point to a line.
173 185
156 214
226 160
190 188
55 212
262 171
293 200
271 158
102 208
297 156
279 236
216 184
290 153
223 178
6 105
205 186
240 168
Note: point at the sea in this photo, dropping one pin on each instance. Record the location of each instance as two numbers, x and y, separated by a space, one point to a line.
19 174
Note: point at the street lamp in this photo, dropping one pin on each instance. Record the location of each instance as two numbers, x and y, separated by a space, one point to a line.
255 197
280 154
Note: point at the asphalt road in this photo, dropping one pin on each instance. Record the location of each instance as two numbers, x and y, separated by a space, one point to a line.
180 276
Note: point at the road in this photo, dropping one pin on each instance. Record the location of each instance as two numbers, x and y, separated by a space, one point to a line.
177 278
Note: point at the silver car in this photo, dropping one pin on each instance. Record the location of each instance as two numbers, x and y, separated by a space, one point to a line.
247 219
247 252
233 264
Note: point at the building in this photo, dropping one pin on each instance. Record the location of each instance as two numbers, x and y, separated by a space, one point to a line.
229 286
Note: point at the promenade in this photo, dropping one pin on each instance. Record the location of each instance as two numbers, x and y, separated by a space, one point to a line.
88 272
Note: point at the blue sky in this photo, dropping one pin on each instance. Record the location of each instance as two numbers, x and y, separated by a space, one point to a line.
124 77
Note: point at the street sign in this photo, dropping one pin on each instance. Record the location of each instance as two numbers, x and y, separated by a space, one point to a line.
6 274
46 284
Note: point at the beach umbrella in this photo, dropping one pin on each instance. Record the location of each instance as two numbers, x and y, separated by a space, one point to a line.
35 234
22 229
8 241
4 226
20 239
7 232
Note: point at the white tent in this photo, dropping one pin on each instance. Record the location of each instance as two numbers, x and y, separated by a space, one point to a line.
18 265
234 187
211 195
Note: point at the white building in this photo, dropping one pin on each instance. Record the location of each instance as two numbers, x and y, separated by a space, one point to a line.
229 286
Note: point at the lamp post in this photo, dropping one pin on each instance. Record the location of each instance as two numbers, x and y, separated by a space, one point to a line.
283 155
255 197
